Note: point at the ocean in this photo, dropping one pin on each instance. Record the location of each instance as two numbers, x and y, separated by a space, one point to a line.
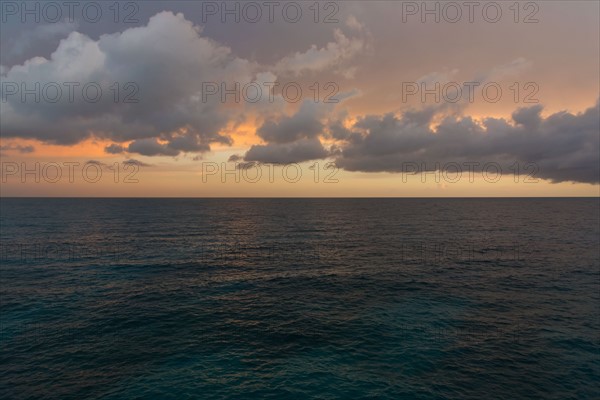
300 298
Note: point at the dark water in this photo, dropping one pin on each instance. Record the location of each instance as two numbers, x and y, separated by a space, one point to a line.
328 299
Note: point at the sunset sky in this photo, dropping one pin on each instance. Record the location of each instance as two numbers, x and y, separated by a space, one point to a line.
517 90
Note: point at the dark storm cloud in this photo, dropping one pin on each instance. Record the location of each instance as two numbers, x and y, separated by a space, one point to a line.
304 124
283 153
114 149
151 147
31 42
563 146
293 138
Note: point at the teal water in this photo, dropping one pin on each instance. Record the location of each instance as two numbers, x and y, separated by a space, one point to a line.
298 298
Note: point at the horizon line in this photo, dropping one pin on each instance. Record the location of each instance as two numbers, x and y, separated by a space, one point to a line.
307 198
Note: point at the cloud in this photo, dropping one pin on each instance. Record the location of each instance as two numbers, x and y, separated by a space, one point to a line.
235 158
246 165
114 149
460 95
31 41
295 138
152 80
305 123
515 67
18 148
563 146
334 55
135 162
151 147
161 65
497 73
353 23
438 77
284 153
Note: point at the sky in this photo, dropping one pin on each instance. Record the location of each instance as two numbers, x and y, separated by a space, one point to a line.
296 99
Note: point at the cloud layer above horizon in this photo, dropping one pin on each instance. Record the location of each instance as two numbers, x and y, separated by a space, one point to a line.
165 64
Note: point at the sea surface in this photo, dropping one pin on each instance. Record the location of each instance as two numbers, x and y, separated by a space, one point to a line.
300 298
